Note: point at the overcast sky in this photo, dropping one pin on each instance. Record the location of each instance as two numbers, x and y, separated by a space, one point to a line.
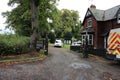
79 5
3 8
82 5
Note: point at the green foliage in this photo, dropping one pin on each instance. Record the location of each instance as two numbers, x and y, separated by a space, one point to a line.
13 44
52 37
68 36
67 21
67 46
19 19
63 21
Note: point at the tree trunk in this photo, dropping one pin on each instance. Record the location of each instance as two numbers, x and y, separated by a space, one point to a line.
34 23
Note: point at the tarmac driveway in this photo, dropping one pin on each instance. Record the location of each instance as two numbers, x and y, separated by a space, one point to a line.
63 64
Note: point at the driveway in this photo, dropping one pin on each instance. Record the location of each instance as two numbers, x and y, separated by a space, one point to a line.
63 64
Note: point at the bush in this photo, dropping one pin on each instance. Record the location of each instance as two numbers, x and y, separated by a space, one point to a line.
13 44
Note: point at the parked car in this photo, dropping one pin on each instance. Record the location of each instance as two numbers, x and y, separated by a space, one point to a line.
58 43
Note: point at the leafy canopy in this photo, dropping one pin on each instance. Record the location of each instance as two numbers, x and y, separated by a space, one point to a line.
63 22
19 19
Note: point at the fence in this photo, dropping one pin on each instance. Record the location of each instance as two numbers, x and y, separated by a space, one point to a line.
42 44
98 52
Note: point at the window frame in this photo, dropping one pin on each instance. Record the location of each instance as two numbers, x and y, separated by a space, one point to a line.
90 40
89 22
83 38
118 18
89 37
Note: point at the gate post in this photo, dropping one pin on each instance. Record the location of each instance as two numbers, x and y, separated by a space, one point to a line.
46 45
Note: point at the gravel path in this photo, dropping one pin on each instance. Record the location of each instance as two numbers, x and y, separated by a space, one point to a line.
62 64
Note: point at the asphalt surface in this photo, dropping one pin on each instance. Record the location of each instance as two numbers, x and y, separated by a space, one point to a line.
63 64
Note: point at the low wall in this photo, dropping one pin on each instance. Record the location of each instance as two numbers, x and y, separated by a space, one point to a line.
98 52
76 48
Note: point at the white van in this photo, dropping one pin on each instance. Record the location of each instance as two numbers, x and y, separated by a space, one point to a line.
113 47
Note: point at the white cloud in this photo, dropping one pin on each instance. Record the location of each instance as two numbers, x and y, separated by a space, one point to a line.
79 5
82 5
4 7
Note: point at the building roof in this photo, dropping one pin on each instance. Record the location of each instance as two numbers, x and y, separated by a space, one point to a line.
103 15
98 14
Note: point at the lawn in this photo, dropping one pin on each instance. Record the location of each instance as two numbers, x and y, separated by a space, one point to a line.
66 46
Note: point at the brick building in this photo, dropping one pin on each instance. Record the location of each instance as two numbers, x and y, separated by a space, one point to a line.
97 24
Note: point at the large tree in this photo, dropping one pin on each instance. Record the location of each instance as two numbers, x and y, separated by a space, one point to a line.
62 21
66 22
27 11
34 21
19 19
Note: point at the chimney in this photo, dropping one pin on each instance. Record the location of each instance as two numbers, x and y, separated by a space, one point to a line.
93 6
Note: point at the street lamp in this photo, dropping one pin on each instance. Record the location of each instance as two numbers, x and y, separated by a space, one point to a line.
85 53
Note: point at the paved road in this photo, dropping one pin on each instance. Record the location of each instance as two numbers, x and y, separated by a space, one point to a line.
62 64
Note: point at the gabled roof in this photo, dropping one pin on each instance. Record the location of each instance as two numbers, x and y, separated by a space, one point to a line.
98 14
104 15
110 13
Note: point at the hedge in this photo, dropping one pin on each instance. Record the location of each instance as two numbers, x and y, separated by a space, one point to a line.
13 44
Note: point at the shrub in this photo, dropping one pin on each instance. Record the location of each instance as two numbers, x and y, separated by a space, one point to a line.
13 44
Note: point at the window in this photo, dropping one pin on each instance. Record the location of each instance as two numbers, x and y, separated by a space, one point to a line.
89 38
83 38
90 22
118 18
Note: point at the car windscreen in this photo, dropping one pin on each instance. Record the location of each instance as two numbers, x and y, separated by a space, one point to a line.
56 42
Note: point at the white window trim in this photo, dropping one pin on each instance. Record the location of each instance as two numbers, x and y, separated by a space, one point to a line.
89 21
118 18
88 37
83 38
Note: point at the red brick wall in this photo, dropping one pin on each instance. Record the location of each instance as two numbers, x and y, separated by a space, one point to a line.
94 23
115 24
111 24
85 23
101 30
94 26
101 27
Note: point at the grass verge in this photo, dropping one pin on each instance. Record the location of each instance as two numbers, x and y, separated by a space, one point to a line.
23 58
66 46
